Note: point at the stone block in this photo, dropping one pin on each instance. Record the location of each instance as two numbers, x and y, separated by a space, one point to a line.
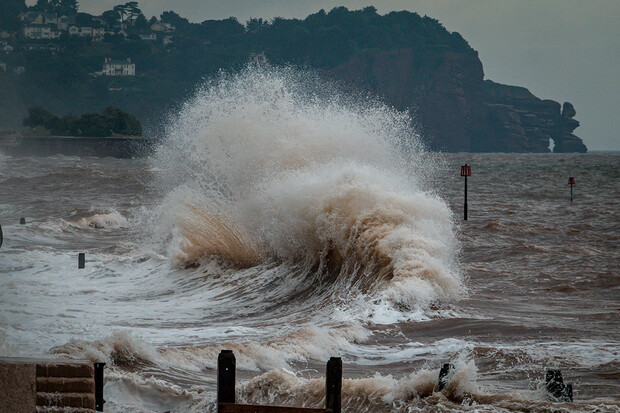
64 368
82 400
65 385
18 392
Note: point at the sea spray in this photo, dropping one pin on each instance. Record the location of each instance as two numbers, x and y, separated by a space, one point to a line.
275 164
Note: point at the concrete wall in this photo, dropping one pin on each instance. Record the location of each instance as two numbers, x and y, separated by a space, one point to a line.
18 386
39 385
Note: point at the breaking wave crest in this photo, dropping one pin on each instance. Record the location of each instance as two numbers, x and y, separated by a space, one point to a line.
417 391
272 165
87 220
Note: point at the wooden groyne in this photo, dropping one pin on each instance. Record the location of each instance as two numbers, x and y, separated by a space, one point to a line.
226 403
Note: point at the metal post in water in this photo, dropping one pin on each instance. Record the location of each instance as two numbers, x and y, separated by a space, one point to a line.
22 221
571 182
554 383
465 205
99 401
81 260
465 171
226 367
445 371
556 387
333 384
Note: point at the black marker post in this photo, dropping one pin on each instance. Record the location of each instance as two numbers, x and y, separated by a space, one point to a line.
571 182
465 171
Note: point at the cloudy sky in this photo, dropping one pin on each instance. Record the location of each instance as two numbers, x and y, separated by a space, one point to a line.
565 50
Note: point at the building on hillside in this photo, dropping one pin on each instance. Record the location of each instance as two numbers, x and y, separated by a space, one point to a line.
36 17
41 31
162 27
259 58
98 33
81 31
19 70
149 37
3 66
49 47
7 49
64 22
167 40
119 67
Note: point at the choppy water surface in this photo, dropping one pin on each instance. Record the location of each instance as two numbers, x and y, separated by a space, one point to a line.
290 226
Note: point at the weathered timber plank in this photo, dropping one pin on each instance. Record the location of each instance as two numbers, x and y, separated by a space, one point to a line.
247 408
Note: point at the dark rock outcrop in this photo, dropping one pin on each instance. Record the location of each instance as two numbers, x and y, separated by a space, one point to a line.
564 139
457 109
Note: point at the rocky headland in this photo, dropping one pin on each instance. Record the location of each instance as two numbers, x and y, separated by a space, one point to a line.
412 62
458 110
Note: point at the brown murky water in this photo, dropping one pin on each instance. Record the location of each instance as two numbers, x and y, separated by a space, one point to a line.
540 279
291 226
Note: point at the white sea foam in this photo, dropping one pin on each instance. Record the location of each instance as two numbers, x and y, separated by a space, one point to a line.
273 164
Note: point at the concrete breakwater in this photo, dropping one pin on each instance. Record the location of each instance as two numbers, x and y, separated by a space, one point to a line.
109 146
29 385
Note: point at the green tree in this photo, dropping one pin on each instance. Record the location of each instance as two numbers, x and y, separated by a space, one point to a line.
141 23
67 7
121 11
9 12
111 17
37 116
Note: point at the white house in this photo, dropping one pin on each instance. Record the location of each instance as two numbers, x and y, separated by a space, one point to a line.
41 31
34 17
3 66
162 27
119 67
98 32
81 31
64 22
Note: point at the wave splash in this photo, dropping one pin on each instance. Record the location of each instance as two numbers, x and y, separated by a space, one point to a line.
274 165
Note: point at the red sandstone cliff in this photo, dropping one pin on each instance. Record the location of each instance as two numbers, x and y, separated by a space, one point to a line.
457 109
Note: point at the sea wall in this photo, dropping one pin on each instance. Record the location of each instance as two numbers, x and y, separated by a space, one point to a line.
29 385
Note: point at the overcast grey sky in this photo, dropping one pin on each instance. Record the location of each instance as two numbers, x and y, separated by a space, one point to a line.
559 49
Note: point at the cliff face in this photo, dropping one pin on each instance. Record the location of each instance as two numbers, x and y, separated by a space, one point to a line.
457 109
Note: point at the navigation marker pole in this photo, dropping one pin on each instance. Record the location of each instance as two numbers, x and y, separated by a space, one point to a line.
466 171
571 182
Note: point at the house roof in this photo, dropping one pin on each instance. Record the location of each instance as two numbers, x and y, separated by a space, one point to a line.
118 62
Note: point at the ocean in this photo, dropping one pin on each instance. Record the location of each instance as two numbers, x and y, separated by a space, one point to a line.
291 223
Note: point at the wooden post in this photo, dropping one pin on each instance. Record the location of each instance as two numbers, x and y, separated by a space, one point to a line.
1 236
226 366
333 384
22 221
81 260
99 387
